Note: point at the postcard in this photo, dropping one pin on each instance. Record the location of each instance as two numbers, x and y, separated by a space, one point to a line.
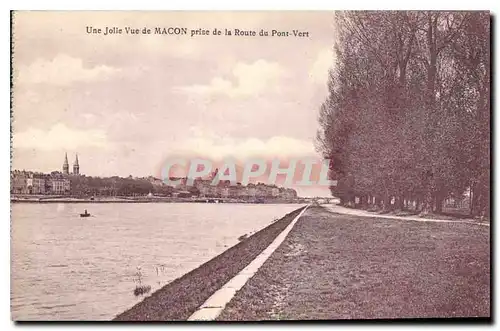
250 165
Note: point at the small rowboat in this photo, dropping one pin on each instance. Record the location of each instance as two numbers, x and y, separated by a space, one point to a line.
85 215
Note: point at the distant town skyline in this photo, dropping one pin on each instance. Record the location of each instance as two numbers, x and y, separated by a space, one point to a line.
126 103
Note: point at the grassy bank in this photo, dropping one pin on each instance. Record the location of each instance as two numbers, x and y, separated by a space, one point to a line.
335 266
180 298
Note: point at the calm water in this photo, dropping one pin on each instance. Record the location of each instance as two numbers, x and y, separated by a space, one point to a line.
69 268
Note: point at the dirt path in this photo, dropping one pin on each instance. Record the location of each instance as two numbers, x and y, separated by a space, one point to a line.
335 266
358 212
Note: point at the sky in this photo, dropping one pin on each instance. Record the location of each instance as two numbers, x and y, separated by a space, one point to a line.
126 103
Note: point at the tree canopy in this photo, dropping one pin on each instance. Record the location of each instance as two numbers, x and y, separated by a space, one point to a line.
407 117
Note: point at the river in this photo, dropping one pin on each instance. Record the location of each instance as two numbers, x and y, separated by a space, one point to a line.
64 267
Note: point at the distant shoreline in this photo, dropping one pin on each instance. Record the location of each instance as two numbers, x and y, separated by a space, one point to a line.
148 200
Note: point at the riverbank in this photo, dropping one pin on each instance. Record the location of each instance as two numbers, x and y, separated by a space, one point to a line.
334 266
179 299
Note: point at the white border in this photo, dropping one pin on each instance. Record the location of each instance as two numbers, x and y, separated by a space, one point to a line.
5 322
253 5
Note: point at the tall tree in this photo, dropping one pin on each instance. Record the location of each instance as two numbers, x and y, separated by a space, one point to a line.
406 94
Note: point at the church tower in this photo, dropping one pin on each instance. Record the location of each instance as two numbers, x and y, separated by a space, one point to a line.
76 166
66 165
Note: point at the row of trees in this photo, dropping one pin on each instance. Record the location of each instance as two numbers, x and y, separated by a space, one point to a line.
408 113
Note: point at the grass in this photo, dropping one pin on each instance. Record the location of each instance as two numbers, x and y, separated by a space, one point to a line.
141 290
346 267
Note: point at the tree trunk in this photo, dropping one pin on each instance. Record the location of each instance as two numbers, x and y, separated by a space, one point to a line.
363 201
387 202
439 203
471 202
481 199
398 204
427 203
475 200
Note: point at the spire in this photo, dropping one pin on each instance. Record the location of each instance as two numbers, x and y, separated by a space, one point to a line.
76 166
66 165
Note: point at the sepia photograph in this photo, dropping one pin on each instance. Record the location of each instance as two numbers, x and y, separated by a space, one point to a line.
250 166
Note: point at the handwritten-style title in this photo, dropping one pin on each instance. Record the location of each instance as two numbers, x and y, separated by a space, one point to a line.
181 31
